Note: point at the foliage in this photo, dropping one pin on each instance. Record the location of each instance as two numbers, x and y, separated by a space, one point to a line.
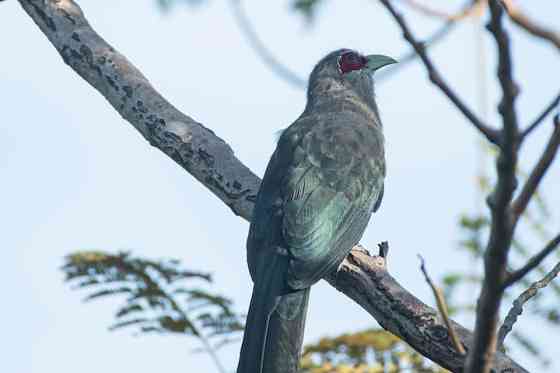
368 351
308 8
156 299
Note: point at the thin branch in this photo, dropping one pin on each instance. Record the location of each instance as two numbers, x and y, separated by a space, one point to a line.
247 29
469 8
435 77
365 279
212 162
533 262
429 42
410 56
530 25
203 338
537 174
479 359
475 8
291 77
442 307
538 120
518 303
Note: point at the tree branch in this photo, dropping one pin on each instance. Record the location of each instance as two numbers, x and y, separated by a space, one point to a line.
194 147
426 10
538 172
365 279
442 308
480 357
260 48
288 75
532 263
435 77
517 308
411 55
531 26
554 103
199 151
429 42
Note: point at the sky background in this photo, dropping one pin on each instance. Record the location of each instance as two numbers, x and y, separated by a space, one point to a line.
76 176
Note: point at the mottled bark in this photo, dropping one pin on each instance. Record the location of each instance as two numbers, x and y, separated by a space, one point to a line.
210 160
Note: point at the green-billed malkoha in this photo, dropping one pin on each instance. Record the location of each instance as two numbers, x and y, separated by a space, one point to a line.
322 184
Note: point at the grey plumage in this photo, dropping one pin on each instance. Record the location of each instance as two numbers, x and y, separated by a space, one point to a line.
320 188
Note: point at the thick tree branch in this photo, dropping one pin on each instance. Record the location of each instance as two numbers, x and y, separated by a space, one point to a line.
212 162
518 304
204 155
365 279
480 357
538 172
435 77
532 263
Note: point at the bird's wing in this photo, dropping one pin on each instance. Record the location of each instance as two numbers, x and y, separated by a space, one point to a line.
329 191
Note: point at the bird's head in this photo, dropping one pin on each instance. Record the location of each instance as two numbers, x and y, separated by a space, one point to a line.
346 71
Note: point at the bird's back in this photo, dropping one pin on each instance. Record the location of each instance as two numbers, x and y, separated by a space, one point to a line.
322 184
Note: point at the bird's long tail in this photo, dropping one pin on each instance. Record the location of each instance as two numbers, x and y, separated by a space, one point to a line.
275 323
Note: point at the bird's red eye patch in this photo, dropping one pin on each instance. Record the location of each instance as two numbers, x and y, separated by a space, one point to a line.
351 61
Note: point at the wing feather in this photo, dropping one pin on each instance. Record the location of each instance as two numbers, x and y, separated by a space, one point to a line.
318 193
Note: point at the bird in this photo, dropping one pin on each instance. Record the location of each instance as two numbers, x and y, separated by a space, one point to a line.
321 186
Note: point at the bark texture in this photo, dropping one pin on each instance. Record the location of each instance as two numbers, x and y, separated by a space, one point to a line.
362 277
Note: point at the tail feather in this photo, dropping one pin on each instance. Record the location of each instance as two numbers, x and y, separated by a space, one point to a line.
285 333
275 323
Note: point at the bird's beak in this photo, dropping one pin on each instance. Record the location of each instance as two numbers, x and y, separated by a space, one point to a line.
377 61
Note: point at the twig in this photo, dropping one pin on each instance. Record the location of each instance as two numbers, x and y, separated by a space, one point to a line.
430 41
260 48
435 77
294 79
553 104
207 346
410 56
433 12
442 307
531 26
480 357
532 263
213 163
538 172
210 350
517 308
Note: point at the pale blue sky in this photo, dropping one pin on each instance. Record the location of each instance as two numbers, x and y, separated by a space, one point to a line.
76 176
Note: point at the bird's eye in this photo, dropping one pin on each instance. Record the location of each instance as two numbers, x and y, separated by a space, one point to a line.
351 61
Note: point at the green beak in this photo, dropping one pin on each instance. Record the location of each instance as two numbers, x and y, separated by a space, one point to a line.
377 61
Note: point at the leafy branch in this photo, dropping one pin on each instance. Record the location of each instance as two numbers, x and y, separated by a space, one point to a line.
369 351
156 298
